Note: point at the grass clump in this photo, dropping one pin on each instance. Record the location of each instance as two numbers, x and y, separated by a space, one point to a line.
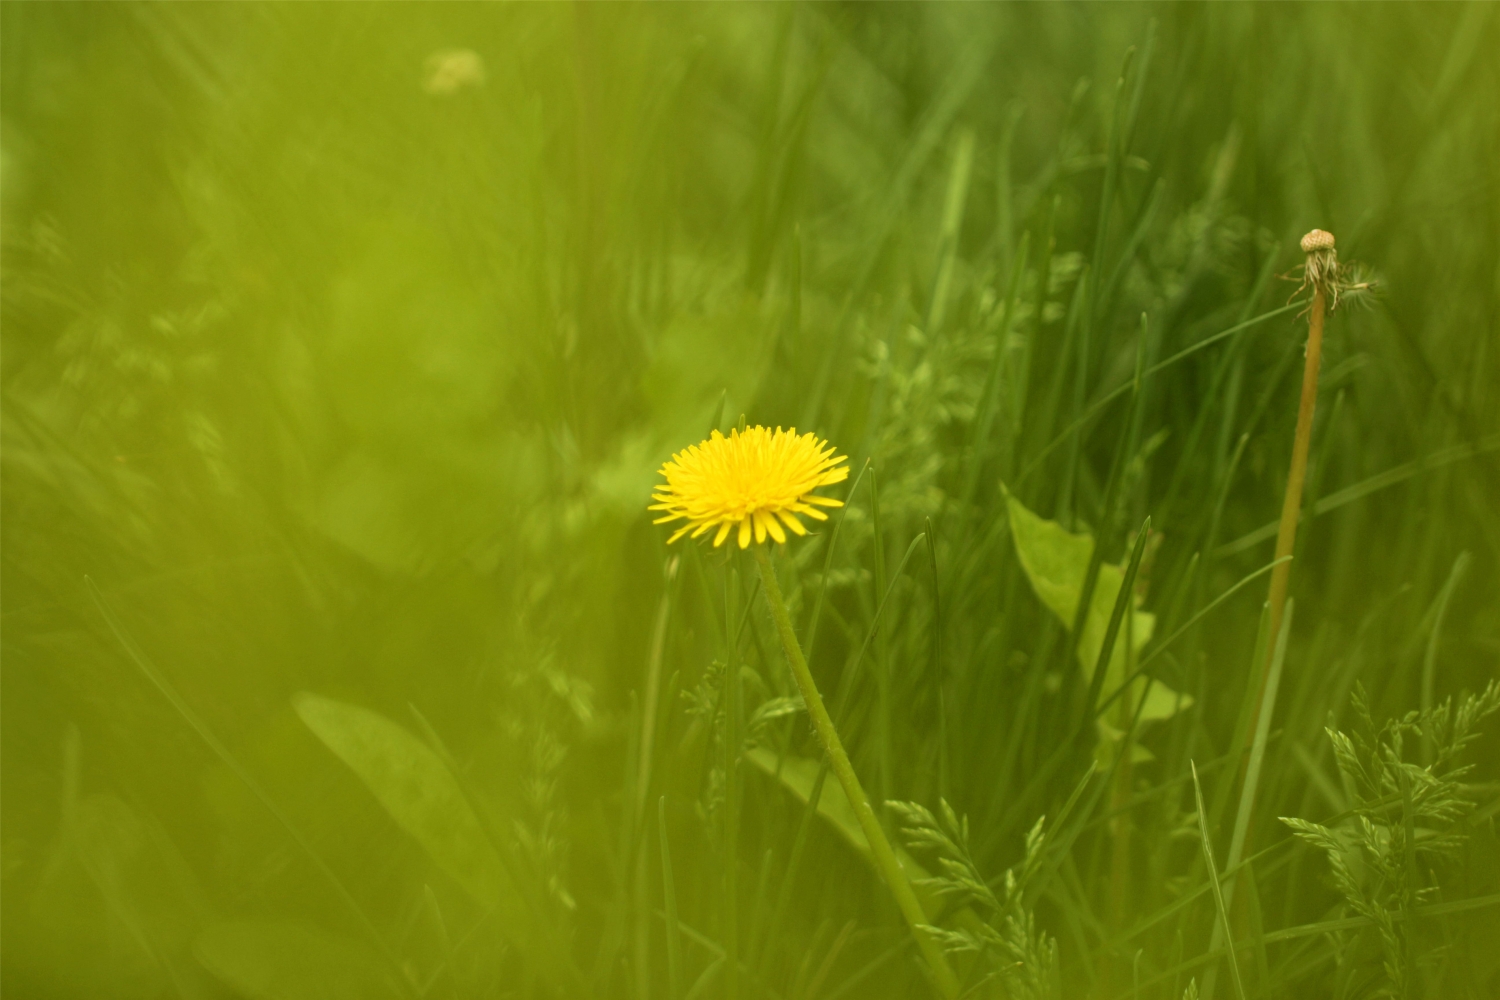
341 343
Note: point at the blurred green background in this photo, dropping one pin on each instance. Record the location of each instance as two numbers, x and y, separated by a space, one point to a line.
342 341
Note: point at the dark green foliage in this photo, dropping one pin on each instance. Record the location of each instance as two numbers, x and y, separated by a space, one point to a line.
341 343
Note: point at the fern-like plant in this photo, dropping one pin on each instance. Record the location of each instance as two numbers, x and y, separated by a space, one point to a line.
1404 816
1015 959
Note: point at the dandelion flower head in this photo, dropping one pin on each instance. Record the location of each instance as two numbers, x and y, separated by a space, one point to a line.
754 482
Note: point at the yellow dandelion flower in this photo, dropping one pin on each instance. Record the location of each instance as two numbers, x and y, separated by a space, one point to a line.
758 480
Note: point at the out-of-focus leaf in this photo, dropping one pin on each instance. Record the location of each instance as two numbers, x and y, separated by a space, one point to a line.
425 799
115 888
270 960
415 787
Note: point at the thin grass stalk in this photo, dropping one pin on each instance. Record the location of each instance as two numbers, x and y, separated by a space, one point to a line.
1004 195
645 752
1429 658
1161 647
1123 604
758 914
1264 713
1024 715
1229 366
1138 234
1240 740
1213 881
1096 557
669 900
1084 415
1045 423
882 653
1107 190
1074 434
1246 809
1021 382
952 222
989 400
833 541
627 917
838 759
1121 795
935 669
731 701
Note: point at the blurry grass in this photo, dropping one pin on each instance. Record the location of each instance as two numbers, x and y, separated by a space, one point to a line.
341 360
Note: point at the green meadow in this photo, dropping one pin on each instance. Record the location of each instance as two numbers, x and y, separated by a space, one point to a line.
343 345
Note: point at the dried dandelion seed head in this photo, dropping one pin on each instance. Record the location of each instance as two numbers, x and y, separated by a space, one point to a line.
755 480
1318 239
1322 271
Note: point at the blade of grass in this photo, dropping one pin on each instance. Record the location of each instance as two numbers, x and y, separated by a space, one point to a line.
1246 810
1098 405
833 541
1213 881
1101 539
669 899
732 740
1166 643
989 399
1123 601
1429 659
1374 484
952 221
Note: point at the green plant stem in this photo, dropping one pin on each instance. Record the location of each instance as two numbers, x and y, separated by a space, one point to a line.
1291 505
880 848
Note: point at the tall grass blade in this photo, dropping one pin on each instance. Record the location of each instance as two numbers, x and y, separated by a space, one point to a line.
1218 894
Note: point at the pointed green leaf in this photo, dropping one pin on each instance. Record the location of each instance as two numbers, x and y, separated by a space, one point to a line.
426 800
1056 562
415 787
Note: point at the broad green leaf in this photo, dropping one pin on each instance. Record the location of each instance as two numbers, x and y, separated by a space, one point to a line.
272 960
415 787
1056 562
424 798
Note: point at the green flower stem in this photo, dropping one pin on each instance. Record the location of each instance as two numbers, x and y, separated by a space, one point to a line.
880 848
